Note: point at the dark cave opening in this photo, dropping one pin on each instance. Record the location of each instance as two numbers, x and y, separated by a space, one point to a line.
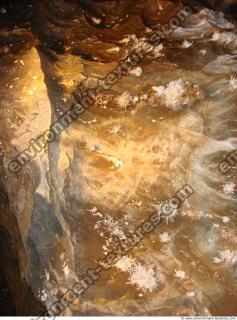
7 306
16 297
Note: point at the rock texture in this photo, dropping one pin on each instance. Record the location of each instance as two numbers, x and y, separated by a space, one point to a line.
167 123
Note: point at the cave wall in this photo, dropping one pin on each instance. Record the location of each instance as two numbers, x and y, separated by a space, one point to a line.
32 223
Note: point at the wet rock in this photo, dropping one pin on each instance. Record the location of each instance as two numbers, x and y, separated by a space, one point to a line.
130 151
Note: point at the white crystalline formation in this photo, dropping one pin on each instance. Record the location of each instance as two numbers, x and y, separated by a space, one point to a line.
226 219
186 44
143 277
229 188
168 216
114 227
216 36
125 264
232 84
172 94
203 52
180 274
228 256
165 237
137 72
42 295
124 100
115 129
157 51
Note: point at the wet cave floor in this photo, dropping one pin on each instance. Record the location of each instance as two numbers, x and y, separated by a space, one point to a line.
168 123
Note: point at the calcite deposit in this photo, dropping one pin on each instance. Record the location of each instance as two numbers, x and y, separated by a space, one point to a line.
167 122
